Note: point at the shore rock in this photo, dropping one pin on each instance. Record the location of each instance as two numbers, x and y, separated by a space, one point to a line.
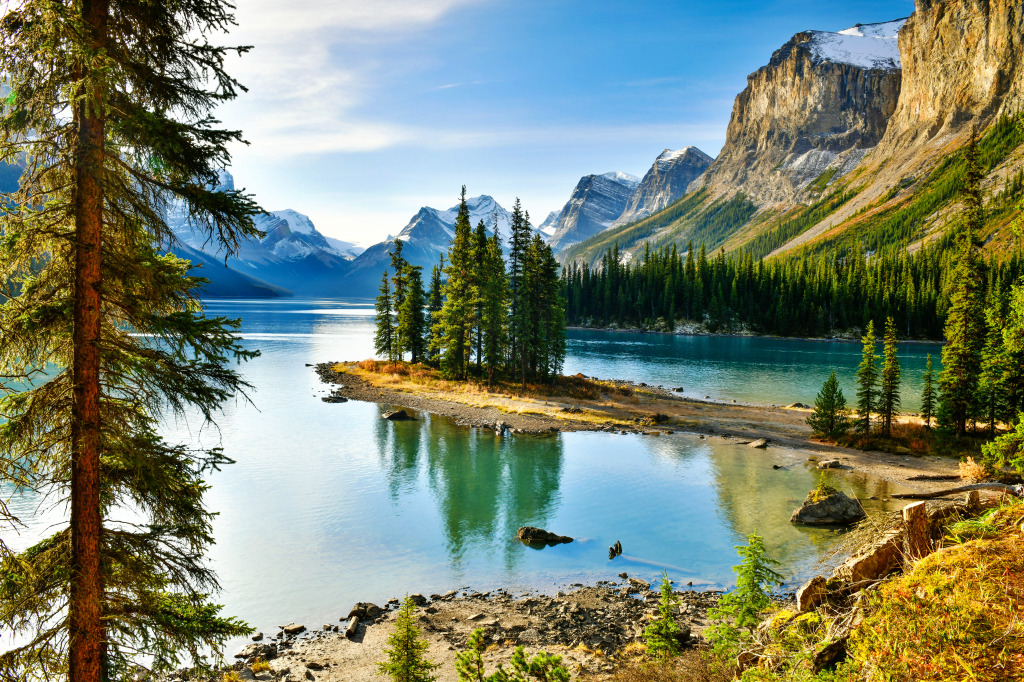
831 509
760 443
531 535
396 416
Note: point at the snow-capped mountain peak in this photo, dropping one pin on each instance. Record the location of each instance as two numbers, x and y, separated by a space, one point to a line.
868 46
622 178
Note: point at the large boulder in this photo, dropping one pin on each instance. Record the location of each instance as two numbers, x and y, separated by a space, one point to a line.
826 506
397 416
539 536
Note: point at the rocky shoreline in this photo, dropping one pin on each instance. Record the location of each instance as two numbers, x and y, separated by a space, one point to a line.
586 625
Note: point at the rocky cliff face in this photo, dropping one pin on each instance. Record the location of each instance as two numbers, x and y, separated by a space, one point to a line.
821 103
666 181
963 66
594 205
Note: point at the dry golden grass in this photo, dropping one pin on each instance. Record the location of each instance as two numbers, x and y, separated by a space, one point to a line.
956 616
692 666
972 472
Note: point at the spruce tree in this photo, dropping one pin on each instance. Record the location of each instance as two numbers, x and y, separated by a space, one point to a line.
384 337
965 332
103 333
452 331
411 323
829 418
406 660
519 242
990 400
867 380
435 301
889 388
1013 350
478 284
494 320
928 394
663 633
399 283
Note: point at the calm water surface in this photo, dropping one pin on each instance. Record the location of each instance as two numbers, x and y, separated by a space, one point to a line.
328 504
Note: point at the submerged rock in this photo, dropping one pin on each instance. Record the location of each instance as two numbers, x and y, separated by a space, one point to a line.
533 536
828 506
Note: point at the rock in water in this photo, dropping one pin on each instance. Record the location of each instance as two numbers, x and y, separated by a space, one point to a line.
760 443
828 506
396 416
536 536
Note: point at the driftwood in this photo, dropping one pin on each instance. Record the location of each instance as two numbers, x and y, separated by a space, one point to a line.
353 625
1017 490
931 477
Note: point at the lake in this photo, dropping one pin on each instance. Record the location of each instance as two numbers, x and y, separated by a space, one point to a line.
328 504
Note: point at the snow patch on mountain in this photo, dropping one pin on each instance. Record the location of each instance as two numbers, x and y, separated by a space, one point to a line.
868 46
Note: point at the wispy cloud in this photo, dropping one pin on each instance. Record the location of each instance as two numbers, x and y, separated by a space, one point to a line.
301 98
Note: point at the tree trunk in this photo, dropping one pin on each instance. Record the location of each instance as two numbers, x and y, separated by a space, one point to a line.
86 662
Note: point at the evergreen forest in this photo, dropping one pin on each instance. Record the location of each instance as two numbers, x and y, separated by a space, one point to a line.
478 316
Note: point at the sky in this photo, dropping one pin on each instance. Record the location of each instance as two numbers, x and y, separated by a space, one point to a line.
359 112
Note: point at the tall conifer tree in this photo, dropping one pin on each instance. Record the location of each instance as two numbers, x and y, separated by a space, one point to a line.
435 301
384 338
455 321
928 394
867 380
519 242
889 388
399 284
411 324
965 331
102 331
494 321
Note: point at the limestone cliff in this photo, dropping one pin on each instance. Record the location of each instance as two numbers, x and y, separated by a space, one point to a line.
963 66
812 113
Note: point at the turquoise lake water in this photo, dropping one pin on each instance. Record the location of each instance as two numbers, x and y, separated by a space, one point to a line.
328 504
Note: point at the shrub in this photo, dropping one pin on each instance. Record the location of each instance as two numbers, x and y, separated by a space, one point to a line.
369 365
662 635
543 667
406 661
260 665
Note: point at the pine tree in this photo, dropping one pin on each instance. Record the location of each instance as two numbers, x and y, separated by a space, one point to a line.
743 606
519 242
829 417
411 324
406 661
494 320
479 272
1013 350
663 633
928 394
109 111
867 380
961 356
455 321
889 388
990 395
435 301
399 284
384 338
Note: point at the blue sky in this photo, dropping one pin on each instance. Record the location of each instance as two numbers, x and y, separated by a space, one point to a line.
360 112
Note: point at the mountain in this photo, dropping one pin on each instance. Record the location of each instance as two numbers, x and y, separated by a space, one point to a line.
292 255
594 205
854 140
348 250
810 115
963 73
666 181
425 237
226 282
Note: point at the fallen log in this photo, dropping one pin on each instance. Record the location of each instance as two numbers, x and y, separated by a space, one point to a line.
353 625
1016 490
